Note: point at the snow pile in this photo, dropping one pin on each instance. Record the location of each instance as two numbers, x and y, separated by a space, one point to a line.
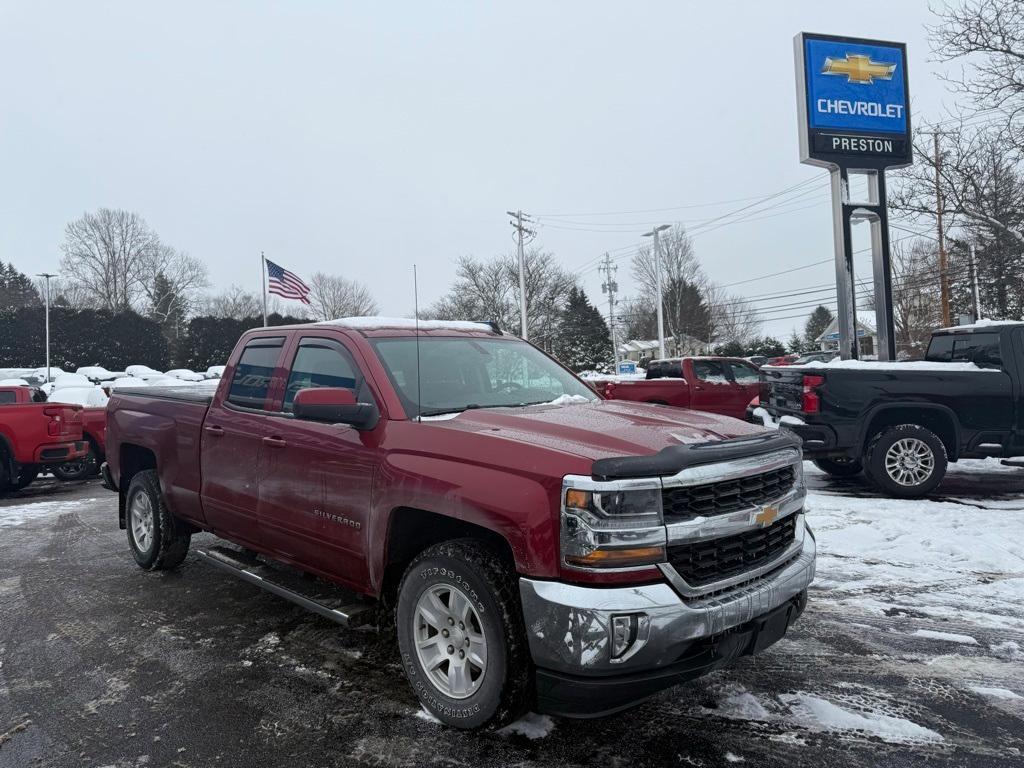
910 365
817 713
91 396
530 725
569 400
949 637
20 514
71 380
995 693
983 323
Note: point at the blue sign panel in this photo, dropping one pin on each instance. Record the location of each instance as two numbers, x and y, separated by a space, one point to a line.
627 367
855 86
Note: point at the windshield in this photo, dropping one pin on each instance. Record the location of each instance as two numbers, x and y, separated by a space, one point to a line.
457 373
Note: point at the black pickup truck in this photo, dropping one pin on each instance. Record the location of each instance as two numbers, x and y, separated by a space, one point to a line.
901 422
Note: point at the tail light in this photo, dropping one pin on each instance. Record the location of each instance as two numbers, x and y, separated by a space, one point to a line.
609 390
56 422
811 401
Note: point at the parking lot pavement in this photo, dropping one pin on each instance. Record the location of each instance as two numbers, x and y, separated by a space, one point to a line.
910 653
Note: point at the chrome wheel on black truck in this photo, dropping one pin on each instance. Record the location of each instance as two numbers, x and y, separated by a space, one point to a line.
461 635
84 468
907 460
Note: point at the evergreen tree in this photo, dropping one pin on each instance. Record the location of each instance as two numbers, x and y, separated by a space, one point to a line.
769 346
819 320
16 289
583 342
167 307
797 343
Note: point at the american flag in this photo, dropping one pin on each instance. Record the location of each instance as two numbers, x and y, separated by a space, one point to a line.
286 284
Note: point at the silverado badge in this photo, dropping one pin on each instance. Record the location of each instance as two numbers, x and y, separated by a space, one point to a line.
766 516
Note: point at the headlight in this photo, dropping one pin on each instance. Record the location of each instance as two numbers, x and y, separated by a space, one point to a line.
611 525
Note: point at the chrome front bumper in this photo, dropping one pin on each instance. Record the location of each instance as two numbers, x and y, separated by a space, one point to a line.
569 626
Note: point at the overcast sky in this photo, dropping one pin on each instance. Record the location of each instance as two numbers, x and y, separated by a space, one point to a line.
357 138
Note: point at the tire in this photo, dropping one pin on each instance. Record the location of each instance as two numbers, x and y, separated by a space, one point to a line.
156 539
486 602
82 469
839 467
884 461
27 474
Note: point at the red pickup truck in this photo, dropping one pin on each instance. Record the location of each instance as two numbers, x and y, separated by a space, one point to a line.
723 385
537 545
35 435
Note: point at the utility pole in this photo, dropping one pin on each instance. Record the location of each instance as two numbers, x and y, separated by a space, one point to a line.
657 279
521 232
943 267
974 283
610 287
46 276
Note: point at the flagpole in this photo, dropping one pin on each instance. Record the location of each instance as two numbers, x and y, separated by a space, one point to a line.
263 284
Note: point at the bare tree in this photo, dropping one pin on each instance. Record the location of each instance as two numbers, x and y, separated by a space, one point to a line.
234 302
678 262
733 318
915 296
106 254
332 297
172 282
489 290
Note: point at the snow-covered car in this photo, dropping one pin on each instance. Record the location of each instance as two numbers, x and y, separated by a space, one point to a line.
215 371
169 381
184 374
128 381
13 383
71 380
96 373
90 396
142 371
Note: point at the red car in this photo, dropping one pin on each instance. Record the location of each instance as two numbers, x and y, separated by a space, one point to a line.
783 360
537 545
722 385
35 435
94 431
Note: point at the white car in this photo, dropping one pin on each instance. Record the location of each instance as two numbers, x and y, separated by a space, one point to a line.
14 383
127 382
215 371
96 373
170 381
90 396
71 381
142 371
184 374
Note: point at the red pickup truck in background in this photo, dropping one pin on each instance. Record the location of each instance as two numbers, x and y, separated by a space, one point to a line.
94 432
537 545
34 435
723 385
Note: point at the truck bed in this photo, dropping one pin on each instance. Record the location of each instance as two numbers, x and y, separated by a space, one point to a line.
188 394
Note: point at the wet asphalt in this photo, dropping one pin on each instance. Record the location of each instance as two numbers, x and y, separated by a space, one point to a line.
102 664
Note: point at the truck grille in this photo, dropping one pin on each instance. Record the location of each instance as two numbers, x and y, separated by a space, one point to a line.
704 562
690 501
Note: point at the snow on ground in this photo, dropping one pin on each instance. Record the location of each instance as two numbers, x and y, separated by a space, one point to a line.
19 514
530 725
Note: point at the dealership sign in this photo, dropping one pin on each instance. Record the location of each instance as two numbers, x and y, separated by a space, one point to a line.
853 102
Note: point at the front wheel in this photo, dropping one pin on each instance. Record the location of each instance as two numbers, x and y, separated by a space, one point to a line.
461 634
906 461
26 476
156 539
839 467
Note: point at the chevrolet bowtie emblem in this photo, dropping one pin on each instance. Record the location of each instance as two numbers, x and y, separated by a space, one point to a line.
766 516
858 68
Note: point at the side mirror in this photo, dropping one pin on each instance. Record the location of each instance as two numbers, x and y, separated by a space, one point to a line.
333 405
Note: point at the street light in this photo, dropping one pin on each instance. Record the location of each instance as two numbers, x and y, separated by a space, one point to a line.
657 279
47 276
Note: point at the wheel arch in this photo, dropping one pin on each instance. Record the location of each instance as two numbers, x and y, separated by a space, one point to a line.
133 459
411 530
940 419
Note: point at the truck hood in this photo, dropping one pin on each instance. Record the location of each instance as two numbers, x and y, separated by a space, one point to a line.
601 429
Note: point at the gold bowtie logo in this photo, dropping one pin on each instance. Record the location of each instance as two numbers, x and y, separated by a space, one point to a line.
858 68
766 516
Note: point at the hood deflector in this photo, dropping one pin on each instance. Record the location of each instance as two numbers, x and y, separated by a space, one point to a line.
669 461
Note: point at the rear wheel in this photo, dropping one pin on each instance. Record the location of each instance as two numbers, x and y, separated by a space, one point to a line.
839 467
82 469
156 539
906 461
27 473
461 634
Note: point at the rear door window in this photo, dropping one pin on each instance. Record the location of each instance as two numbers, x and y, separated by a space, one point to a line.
743 373
6 398
711 371
251 382
321 363
965 348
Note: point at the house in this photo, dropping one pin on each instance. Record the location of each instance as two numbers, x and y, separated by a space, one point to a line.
637 350
867 339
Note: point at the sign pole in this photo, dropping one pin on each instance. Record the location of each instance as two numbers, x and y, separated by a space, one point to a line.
846 296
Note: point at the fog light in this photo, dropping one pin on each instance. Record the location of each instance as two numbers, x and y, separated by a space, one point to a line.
624 632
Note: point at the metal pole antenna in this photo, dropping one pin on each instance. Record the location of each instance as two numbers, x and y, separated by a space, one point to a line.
46 276
657 279
974 284
609 286
263 270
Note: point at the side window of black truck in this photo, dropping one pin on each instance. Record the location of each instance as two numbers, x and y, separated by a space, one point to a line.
982 348
251 381
321 363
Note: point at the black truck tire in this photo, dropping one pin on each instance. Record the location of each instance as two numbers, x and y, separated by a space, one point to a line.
156 539
461 587
906 461
27 473
81 469
839 467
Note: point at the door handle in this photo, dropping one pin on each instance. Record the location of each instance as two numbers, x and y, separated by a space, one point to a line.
214 430
274 442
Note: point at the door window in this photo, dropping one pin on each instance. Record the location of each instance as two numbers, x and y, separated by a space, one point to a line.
321 363
965 348
251 381
8 397
710 371
744 374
